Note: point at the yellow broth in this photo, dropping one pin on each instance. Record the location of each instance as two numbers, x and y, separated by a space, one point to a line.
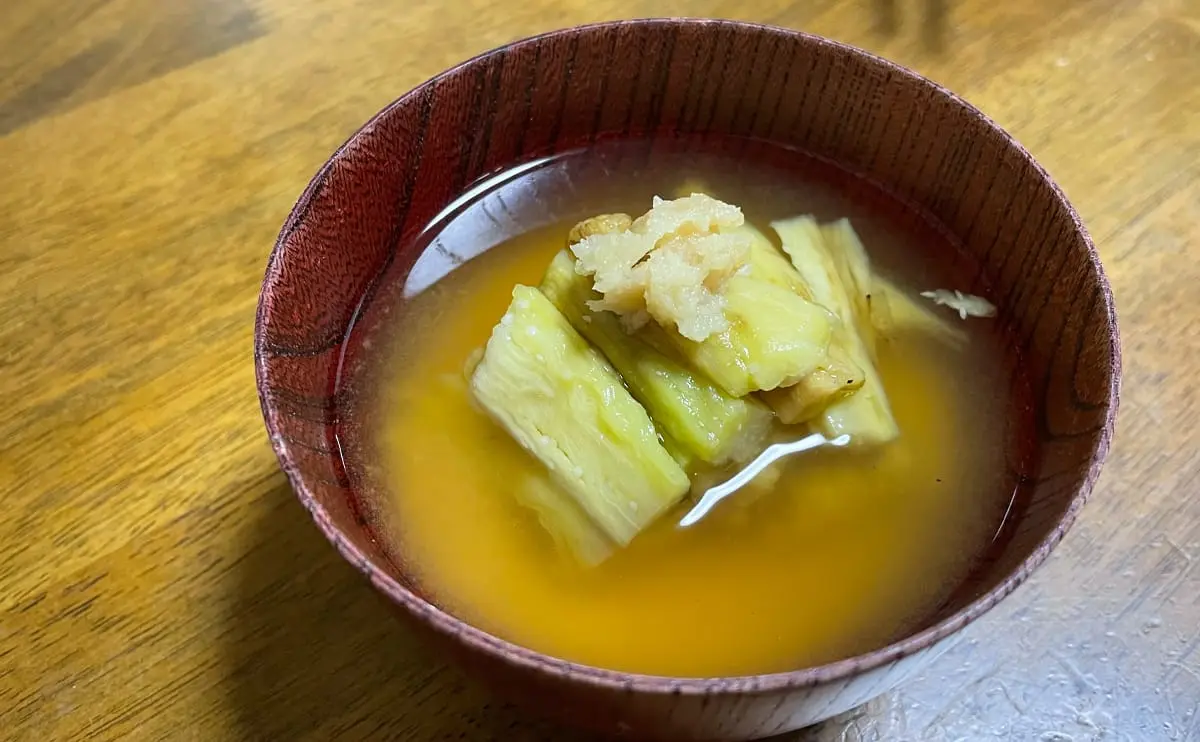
849 551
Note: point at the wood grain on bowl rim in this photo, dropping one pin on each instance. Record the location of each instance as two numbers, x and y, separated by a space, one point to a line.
492 100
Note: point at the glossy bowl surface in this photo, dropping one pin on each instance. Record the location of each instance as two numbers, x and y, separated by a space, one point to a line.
657 79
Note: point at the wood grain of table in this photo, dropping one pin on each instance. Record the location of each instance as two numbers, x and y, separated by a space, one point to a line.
157 579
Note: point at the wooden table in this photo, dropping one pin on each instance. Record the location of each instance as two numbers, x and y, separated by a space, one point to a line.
157 580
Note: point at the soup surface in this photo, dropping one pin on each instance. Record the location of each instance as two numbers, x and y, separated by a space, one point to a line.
850 549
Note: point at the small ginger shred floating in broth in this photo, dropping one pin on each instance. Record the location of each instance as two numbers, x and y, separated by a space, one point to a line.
967 305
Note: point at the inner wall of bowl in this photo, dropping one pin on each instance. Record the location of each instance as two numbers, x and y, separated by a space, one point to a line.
365 212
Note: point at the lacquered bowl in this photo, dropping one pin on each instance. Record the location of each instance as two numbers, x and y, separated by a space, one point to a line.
360 216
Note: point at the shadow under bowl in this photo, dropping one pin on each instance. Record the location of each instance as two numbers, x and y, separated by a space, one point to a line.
658 79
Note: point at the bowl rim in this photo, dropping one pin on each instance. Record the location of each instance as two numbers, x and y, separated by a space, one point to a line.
449 625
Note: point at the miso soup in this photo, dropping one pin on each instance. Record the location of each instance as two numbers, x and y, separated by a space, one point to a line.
830 552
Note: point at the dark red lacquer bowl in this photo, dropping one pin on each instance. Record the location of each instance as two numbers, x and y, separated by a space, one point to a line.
662 78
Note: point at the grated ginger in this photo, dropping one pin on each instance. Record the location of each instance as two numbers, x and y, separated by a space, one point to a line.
669 264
